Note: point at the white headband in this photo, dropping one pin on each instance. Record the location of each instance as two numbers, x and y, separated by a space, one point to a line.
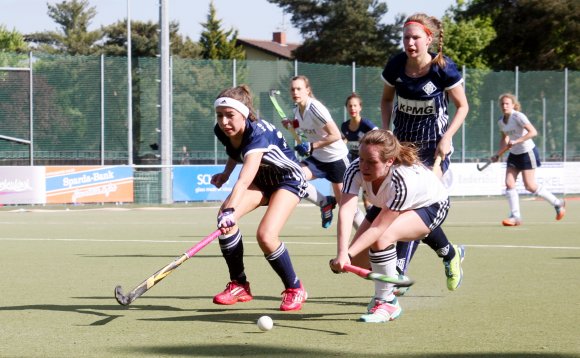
232 103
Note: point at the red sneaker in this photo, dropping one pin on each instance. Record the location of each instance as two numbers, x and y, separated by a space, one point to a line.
511 221
234 293
293 298
561 210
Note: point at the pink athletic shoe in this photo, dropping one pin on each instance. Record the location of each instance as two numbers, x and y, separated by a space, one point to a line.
292 298
234 293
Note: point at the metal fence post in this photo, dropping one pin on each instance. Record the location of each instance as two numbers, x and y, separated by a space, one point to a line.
463 146
565 114
543 127
31 89
102 109
166 120
517 84
234 80
491 128
353 76
129 89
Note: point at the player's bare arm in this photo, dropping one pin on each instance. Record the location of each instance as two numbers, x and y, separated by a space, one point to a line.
457 96
387 101
221 178
247 175
348 206
333 134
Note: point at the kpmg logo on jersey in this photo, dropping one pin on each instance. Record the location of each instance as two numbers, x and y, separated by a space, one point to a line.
416 108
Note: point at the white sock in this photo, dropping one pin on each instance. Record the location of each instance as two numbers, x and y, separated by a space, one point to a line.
358 218
514 202
314 196
549 197
385 263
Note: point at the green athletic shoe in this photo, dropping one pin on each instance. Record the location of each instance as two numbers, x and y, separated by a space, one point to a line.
382 311
453 269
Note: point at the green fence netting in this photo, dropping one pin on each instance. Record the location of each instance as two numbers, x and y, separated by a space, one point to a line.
78 106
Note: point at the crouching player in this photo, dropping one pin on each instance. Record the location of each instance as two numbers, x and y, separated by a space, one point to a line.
410 202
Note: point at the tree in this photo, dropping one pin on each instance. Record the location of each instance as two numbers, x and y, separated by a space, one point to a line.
531 34
74 18
11 41
144 49
145 40
340 32
217 44
465 40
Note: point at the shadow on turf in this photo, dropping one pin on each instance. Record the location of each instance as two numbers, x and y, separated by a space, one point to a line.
254 350
249 318
88 309
355 301
219 314
203 315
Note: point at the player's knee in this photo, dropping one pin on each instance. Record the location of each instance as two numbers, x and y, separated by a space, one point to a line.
266 236
531 188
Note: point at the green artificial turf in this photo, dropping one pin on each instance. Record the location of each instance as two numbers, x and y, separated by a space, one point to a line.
59 266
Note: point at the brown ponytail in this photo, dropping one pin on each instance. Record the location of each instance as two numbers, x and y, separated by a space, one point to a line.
390 147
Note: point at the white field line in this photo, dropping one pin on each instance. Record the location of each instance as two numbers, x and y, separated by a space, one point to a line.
80 208
286 242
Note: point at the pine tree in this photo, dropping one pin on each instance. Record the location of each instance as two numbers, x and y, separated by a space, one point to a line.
340 32
74 18
216 43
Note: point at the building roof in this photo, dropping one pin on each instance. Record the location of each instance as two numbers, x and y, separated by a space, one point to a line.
276 47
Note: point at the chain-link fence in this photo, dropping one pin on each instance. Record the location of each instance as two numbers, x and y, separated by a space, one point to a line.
73 109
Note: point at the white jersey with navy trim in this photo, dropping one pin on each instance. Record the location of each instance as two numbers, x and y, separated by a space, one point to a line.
311 124
405 188
278 162
420 113
514 129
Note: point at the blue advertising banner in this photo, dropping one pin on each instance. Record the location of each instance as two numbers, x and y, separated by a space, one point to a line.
193 183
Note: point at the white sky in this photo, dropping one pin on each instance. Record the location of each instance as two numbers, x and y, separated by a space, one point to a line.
255 19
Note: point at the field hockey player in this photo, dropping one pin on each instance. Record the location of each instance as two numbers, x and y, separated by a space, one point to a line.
270 176
418 88
327 152
516 134
409 202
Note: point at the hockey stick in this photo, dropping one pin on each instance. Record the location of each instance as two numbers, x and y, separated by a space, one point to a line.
162 273
369 275
489 161
291 126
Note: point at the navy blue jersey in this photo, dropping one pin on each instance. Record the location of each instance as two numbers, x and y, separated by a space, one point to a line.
279 164
353 137
421 108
